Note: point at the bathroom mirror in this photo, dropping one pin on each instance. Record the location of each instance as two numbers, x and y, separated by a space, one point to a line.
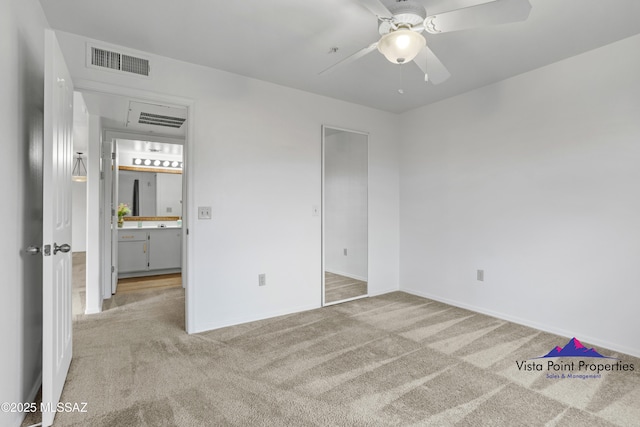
345 164
156 193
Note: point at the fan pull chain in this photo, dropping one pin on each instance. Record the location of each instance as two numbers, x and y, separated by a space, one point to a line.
401 90
426 67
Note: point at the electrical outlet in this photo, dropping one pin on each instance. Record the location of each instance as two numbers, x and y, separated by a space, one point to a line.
480 275
204 212
262 279
345 251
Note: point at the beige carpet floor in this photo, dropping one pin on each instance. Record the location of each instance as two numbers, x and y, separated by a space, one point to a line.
338 288
394 359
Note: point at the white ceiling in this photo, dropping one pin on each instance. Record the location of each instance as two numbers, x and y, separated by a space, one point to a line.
288 41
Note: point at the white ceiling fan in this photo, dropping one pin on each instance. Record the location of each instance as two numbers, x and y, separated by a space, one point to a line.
401 26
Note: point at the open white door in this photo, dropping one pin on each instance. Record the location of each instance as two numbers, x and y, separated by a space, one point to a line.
56 282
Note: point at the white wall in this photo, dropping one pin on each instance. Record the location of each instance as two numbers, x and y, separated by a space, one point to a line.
256 160
94 274
535 180
345 204
79 216
22 25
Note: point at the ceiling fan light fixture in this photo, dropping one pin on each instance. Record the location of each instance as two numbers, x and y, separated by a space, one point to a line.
401 46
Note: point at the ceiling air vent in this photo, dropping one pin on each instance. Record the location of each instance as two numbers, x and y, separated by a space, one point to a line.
159 120
104 58
116 61
156 118
132 64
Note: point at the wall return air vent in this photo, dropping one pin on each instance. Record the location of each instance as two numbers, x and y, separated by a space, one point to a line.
117 61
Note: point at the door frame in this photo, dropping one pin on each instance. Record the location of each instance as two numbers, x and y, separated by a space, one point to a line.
90 86
105 213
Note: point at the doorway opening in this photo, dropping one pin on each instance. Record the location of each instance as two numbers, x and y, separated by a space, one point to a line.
147 191
140 142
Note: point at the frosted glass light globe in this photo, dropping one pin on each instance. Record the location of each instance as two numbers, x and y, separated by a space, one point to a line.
401 46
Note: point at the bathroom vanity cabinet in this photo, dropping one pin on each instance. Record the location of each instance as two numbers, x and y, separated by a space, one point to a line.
147 252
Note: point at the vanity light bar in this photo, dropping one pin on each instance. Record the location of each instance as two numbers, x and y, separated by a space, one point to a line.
157 163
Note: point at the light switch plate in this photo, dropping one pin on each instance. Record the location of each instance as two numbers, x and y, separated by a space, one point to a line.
204 212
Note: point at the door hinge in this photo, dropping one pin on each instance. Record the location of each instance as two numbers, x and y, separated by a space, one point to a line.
113 269
113 156
187 231
101 174
113 212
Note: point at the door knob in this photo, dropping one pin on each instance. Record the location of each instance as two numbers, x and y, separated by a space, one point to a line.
33 250
62 248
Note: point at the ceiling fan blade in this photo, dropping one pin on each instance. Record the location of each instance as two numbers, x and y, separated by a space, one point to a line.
493 13
349 59
377 8
434 71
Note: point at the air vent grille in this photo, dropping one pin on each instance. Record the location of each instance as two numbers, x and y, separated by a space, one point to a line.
104 58
120 62
160 120
135 65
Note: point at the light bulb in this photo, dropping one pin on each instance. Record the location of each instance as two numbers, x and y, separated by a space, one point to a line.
401 46
402 41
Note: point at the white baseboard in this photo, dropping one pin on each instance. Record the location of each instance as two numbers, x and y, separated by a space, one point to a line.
532 324
247 319
349 275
